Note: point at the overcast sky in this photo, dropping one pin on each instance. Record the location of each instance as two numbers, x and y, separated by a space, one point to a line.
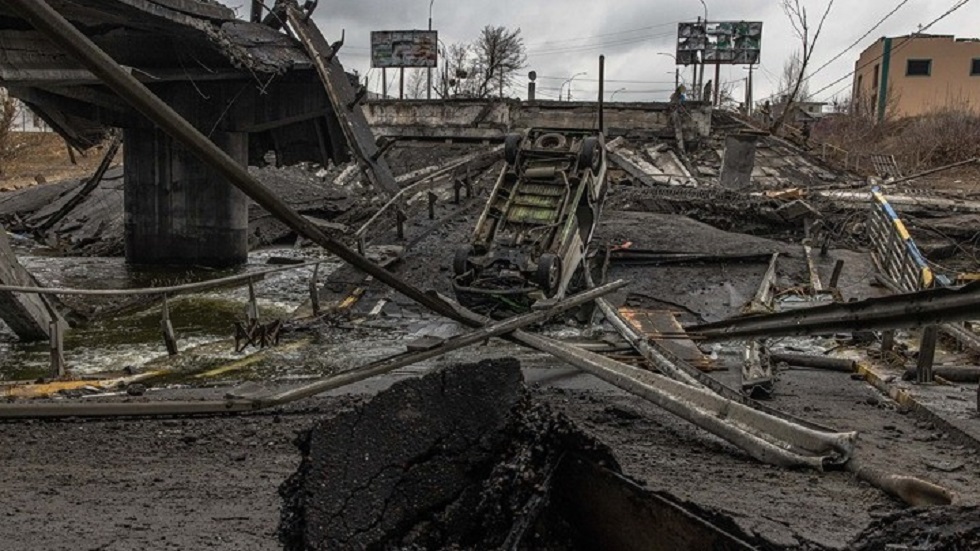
565 37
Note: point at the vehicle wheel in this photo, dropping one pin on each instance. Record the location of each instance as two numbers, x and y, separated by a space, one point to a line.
548 276
551 140
590 156
461 261
512 148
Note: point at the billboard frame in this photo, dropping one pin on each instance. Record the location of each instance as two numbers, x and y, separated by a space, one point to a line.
407 49
719 42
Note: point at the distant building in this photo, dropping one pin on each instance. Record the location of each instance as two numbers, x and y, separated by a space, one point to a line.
803 111
911 75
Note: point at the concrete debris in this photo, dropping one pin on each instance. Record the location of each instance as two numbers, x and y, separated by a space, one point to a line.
29 316
453 459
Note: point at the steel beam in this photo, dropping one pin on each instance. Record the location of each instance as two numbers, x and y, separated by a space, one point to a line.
62 33
904 311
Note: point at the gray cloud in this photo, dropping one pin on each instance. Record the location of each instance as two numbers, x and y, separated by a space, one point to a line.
565 37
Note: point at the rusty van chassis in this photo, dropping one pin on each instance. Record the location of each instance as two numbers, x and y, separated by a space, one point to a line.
538 222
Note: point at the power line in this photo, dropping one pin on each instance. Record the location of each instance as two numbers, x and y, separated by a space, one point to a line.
610 80
586 48
948 12
858 41
618 33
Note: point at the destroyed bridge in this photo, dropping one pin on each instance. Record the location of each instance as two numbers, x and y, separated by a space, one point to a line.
247 86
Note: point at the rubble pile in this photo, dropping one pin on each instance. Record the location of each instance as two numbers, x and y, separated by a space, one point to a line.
461 458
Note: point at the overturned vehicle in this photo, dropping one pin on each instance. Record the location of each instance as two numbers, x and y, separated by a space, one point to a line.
535 230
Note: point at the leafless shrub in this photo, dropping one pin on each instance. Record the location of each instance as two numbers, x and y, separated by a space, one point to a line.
8 112
943 136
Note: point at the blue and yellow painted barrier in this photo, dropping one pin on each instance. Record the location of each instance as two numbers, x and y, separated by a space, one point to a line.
897 253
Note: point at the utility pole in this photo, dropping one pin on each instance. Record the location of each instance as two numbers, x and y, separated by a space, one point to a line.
748 93
384 83
602 91
717 102
428 86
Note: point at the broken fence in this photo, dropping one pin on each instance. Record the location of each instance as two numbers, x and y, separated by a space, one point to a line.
252 332
895 252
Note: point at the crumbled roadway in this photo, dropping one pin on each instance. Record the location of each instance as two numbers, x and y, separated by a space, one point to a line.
212 482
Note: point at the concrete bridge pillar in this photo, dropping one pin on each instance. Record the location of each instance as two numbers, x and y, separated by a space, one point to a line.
178 210
739 162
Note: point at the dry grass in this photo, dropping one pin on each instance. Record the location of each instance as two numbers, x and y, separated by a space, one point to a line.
939 138
40 156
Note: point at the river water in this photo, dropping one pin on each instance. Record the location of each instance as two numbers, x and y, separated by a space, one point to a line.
120 335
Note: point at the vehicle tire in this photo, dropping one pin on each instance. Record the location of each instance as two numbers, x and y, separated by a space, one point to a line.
548 275
461 260
589 156
512 148
551 140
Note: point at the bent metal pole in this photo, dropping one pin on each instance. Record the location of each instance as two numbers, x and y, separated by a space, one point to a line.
62 33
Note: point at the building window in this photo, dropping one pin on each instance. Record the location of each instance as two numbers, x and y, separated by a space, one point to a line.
975 68
919 68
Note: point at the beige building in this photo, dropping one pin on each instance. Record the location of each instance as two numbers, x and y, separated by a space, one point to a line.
911 75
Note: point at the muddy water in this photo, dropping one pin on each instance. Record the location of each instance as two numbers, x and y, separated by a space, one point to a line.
131 337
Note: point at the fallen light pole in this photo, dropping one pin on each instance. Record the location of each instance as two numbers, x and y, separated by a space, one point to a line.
906 311
62 33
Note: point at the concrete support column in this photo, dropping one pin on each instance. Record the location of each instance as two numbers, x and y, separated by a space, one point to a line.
736 173
179 211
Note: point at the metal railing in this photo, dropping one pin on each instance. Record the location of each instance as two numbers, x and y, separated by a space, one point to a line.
894 250
58 367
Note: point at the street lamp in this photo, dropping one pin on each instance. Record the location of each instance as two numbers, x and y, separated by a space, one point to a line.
569 83
677 72
613 97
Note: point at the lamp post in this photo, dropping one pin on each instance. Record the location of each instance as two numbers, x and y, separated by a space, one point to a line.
428 88
613 97
677 73
569 83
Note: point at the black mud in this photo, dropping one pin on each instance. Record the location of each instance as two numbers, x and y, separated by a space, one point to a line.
934 529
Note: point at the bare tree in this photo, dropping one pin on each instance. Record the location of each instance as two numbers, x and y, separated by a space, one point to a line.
416 84
8 112
500 54
798 18
787 80
453 78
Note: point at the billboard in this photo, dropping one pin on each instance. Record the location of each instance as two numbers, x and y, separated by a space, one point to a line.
404 49
726 42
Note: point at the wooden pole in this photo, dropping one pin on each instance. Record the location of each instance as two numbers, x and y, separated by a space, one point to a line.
314 292
252 312
927 355
57 349
602 90
169 338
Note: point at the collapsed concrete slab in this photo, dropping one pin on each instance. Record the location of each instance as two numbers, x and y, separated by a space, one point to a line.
25 314
457 458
